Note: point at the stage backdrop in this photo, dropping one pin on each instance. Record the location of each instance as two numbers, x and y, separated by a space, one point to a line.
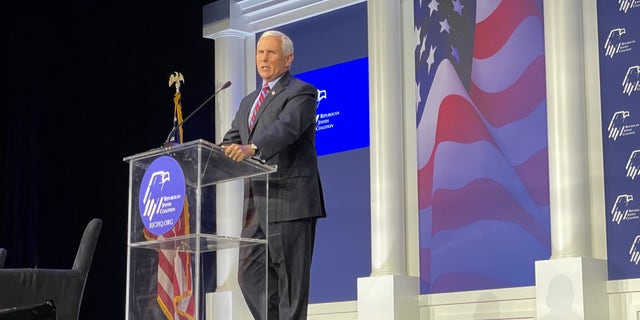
619 46
483 173
482 143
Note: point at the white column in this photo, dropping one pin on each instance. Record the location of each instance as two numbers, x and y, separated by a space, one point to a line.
230 65
568 180
388 293
386 142
572 285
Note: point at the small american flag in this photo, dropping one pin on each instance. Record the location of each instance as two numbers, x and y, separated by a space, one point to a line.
175 282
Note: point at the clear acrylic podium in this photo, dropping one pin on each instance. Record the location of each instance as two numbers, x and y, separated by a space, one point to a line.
176 237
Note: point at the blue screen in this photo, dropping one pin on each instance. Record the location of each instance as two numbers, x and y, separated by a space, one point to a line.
342 120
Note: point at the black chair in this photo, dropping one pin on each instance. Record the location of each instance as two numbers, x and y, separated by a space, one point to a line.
32 287
3 255
43 311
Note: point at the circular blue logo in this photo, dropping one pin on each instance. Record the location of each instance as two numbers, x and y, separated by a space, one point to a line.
162 193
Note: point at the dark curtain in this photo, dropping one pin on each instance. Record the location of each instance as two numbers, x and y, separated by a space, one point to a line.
87 85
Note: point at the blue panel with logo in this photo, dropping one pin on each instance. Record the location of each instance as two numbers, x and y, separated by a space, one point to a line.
342 120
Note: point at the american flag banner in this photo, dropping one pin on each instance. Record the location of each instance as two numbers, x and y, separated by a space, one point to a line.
175 282
482 143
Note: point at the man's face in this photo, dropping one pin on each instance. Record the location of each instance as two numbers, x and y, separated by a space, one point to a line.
270 60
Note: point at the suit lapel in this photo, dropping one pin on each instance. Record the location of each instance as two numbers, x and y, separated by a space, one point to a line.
273 92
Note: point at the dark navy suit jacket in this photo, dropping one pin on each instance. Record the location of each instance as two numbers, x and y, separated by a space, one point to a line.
285 134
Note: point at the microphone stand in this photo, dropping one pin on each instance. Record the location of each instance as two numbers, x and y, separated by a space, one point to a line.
167 142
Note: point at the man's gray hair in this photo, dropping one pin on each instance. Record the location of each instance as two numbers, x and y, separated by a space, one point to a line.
287 44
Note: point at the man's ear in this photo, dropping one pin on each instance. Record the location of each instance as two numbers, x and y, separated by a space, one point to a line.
289 60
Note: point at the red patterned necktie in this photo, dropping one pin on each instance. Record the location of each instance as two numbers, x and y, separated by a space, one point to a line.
254 112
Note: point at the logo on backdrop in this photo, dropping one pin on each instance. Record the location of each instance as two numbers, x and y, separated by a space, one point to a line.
625 5
623 210
161 197
322 94
633 165
634 252
619 125
323 120
615 42
631 82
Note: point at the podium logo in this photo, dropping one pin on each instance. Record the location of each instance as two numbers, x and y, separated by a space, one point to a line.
631 81
634 252
161 197
633 165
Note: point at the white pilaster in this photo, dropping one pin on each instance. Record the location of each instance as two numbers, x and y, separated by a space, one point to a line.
388 297
572 288
230 65
386 145
572 285
388 293
566 121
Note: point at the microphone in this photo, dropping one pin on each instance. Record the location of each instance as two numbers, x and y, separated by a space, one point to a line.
176 127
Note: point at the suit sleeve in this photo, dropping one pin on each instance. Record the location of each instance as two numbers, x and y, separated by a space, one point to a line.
233 135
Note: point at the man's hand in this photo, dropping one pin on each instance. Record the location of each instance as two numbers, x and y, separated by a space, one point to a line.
238 152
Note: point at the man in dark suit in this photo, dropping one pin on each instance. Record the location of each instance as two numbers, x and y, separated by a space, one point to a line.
277 126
